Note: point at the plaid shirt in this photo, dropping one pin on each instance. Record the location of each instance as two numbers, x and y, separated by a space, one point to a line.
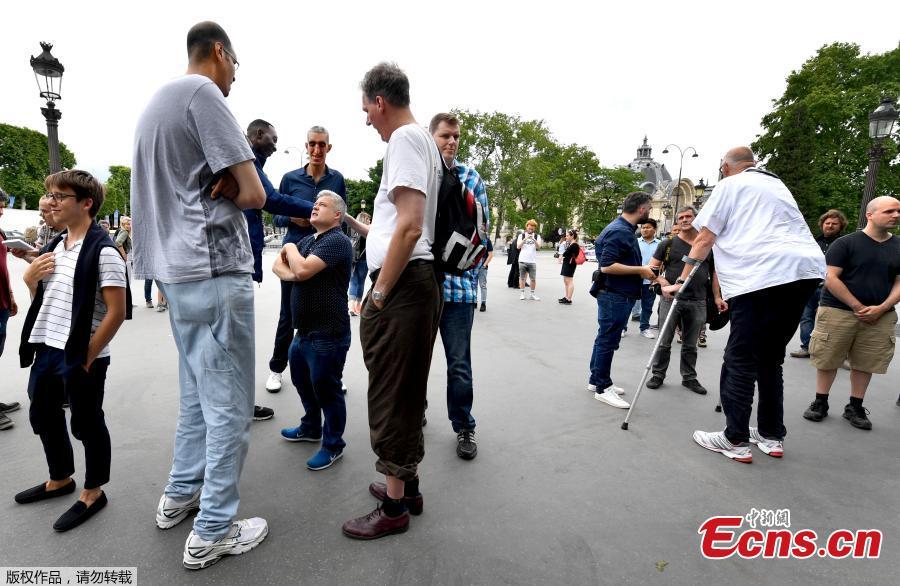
462 289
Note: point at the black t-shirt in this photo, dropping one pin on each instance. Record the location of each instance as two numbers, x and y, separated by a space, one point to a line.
570 253
696 290
869 268
320 303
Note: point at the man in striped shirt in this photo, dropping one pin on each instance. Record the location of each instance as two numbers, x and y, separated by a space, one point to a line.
460 299
80 299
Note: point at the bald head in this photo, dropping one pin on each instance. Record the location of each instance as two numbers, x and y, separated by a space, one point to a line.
736 160
882 215
880 202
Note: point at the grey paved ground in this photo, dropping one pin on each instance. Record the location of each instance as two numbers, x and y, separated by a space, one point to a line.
558 494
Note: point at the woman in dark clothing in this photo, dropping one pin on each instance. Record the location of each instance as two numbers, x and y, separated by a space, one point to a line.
569 265
512 259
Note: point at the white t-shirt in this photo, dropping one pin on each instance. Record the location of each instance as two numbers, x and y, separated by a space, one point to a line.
528 252
54 319
762 239
411 160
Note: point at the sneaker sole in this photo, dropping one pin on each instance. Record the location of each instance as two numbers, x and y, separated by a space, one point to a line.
328 465
241 549
263 418
814 417
273 391
726 453
301 439
465 456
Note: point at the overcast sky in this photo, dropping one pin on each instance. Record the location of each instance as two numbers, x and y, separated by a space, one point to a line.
696 74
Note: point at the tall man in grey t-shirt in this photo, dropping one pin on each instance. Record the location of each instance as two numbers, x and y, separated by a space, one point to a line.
193 173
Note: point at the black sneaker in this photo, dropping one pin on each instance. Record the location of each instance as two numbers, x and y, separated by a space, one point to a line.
262 413
857 417
655 382
465 444
9 407
694 385
483 307
5 422
818 410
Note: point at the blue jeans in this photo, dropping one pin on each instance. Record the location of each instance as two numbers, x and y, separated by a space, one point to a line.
4 317
644 305
456 334
808 321
482 283
317 366
358 280
148 287
284 331
613 310
213 326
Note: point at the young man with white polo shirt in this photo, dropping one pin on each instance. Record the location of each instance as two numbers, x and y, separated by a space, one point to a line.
766 286
80 299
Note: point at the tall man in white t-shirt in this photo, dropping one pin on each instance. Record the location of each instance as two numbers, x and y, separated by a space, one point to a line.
193 173
528 244
402 312
79 301
766 286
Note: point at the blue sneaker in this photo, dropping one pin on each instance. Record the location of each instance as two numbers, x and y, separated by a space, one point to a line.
323 459
297 434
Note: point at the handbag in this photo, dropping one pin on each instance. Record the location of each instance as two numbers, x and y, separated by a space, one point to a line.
716 320
598 283
580 258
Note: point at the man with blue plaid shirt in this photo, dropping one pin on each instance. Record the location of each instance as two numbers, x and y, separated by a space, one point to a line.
460 299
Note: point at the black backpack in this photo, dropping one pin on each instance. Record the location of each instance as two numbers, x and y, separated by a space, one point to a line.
458 245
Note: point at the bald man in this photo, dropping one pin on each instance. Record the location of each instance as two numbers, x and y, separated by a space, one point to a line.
766 285
856 316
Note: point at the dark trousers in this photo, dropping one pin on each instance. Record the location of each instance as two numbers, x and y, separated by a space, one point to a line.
808 321
762 324
284 333
613 310
148 287
317 366
691 315
51 383
397 343
456 334
643 307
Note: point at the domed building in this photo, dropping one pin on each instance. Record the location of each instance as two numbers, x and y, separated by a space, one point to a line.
659 184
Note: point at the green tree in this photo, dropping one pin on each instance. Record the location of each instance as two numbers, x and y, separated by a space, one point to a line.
25 162
118 191
359 190
610 188
816 137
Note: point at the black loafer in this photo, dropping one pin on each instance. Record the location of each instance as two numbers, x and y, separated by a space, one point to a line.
40 493
79 513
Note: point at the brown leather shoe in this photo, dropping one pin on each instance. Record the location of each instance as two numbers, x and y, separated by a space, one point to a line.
376 524
415 504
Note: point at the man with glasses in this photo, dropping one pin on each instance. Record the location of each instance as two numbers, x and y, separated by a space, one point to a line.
192 175
305 183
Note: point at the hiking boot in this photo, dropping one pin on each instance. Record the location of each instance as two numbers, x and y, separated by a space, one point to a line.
857 417
694 385
655 382
717 442
817 411
801 353
466 448
774 448
243 536
172 511
415 504
376 524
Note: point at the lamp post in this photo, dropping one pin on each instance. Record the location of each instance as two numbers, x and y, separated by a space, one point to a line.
881 125
288 150
681 153
49 70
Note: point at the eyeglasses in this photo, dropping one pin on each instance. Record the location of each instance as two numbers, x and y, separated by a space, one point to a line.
233 59
58 197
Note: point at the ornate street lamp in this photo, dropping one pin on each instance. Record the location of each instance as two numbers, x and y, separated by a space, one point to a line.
48 72
681 153
881 126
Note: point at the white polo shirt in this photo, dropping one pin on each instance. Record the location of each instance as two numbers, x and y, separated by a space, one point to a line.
762 239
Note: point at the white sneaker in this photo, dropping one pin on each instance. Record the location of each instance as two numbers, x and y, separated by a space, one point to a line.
534 297
717 442
171 512
624 332
611 397
522 296
617 390
273 383
648 334
243 536
771 447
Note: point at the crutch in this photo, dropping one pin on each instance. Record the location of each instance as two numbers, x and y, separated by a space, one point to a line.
695 266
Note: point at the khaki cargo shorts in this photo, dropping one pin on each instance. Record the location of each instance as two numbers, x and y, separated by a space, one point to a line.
839 335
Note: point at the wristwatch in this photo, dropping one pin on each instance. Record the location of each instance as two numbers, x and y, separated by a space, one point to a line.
377 296
679 281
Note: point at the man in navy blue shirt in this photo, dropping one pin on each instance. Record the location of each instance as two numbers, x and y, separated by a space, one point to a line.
319 270
304 183
263 138
619 258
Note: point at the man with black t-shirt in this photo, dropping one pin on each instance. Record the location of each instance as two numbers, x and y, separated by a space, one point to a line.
691 309
856 316
319 267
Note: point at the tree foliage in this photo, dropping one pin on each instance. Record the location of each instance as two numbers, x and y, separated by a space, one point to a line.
816 137
359 190
25 162
118 191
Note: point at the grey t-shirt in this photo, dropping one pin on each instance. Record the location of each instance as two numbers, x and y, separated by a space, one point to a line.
185 136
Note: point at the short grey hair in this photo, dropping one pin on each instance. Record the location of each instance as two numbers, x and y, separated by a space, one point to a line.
318 130
336 200
388 81
691 209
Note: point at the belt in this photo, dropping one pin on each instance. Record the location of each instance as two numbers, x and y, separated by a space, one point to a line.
413 263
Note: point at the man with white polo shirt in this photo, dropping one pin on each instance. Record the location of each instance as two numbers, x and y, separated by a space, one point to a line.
766 286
